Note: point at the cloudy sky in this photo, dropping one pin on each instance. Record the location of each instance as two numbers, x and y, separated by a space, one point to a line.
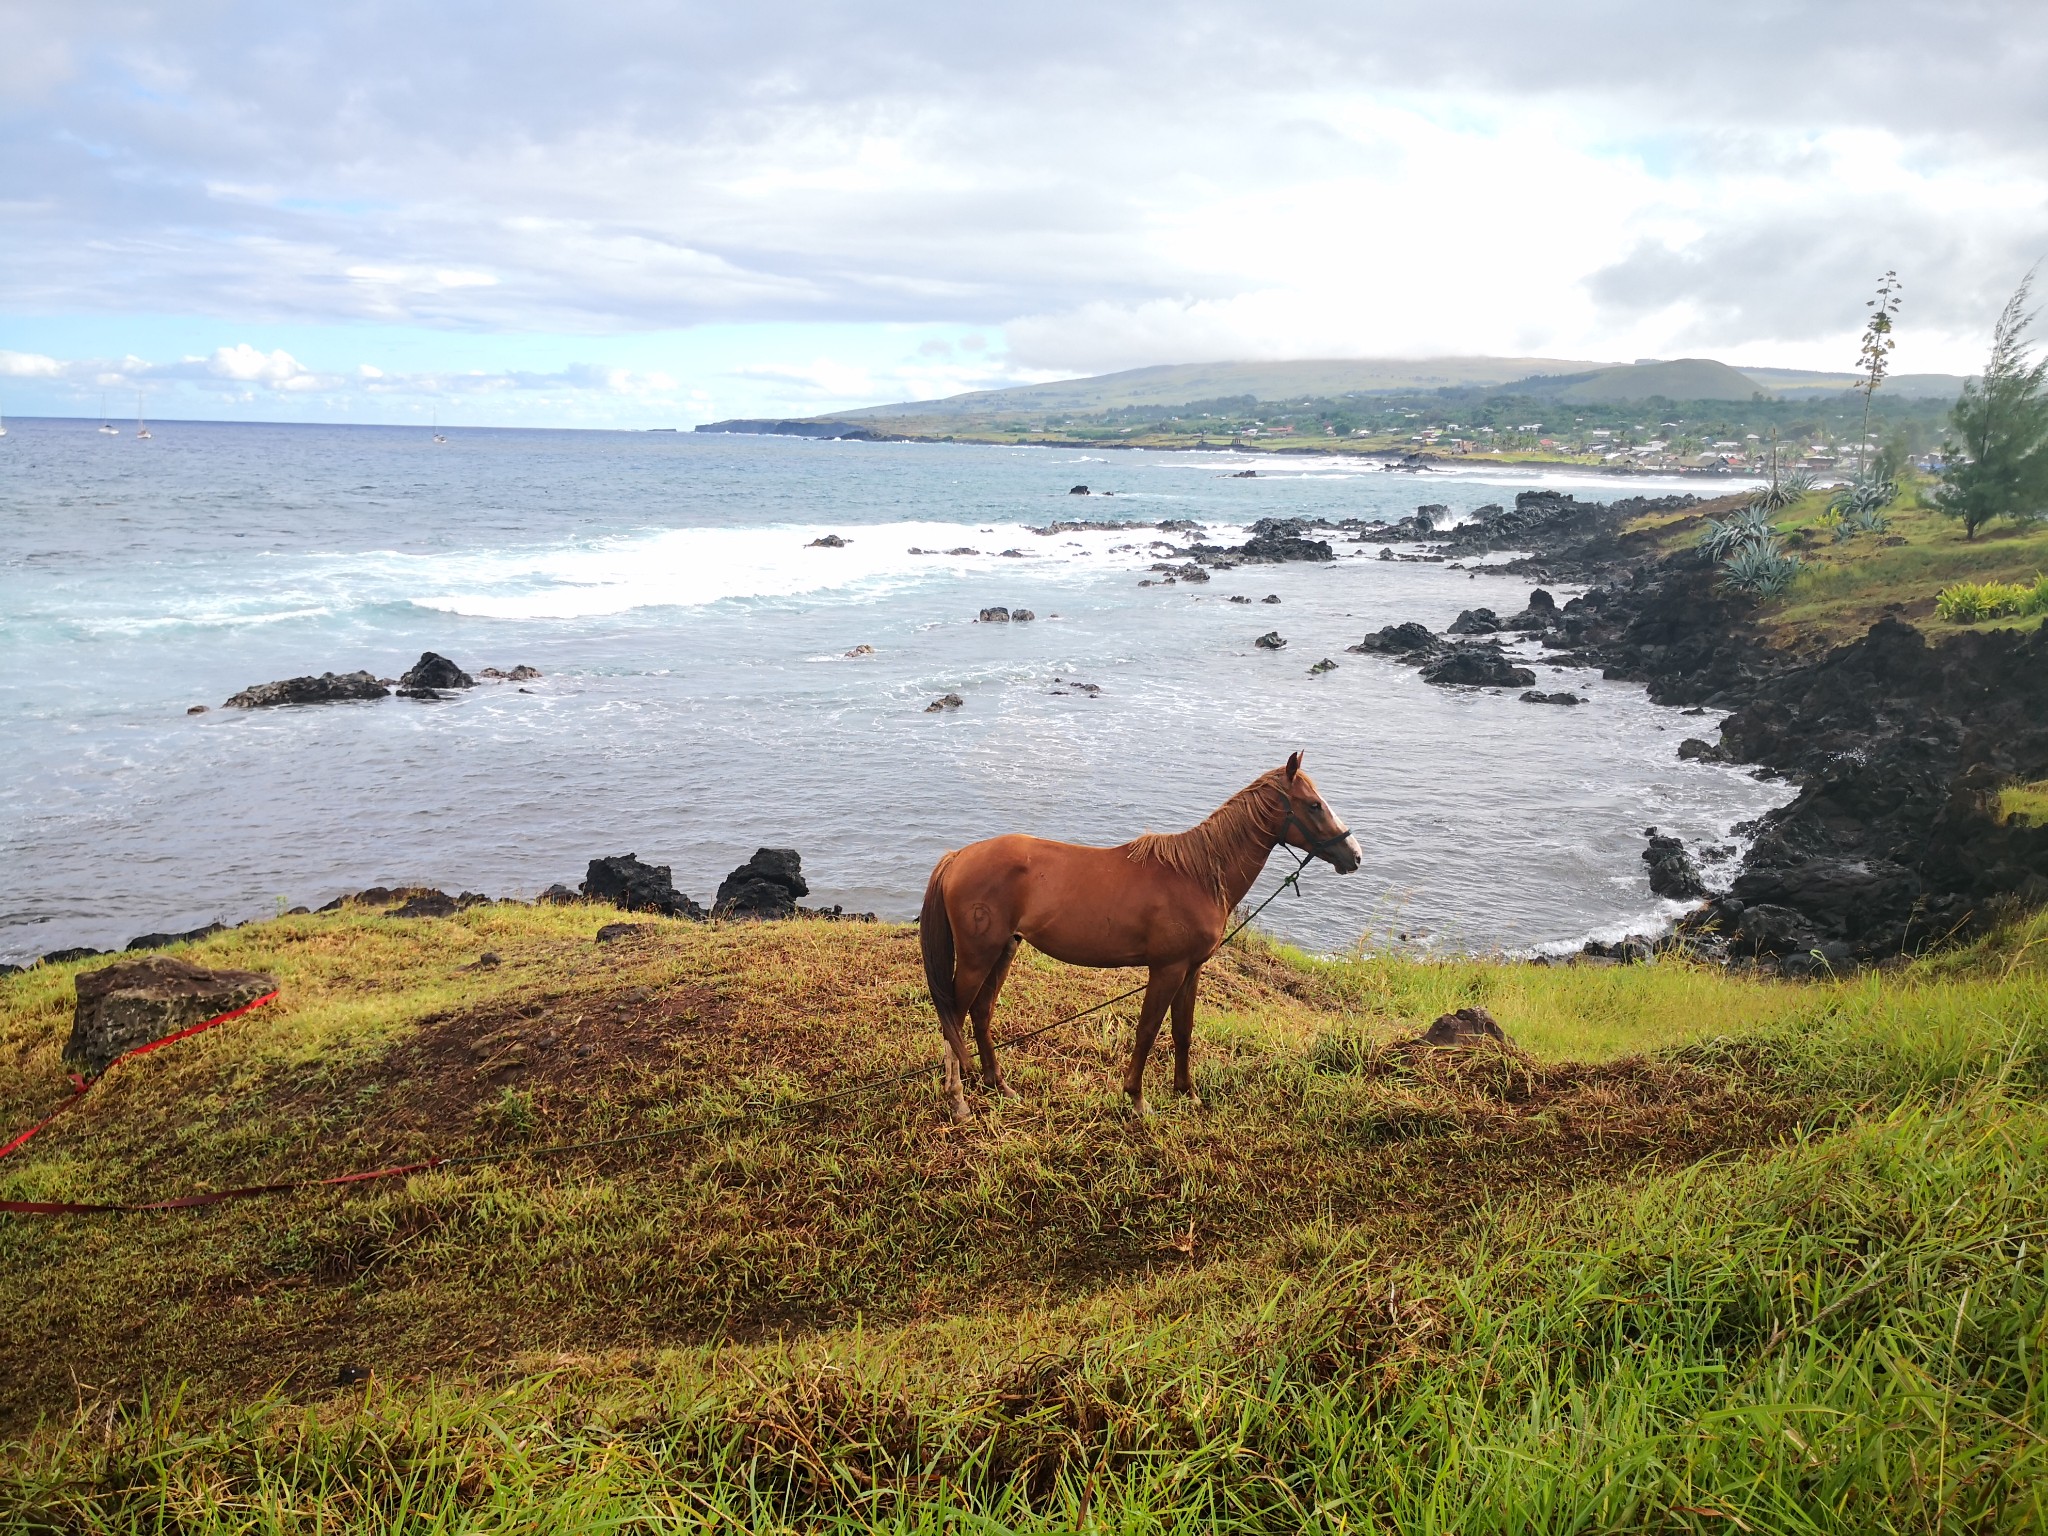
634 214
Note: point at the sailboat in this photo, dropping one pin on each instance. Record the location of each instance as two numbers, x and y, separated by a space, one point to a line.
107 428
3 426
437 428
141 427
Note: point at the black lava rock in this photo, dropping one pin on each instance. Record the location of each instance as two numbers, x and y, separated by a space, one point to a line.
1672 872
1476 666
766 886
432 671
327 688
625 882
1410 641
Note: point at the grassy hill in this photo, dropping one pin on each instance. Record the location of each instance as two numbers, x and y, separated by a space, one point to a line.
1701 1253
1689 378
1174 384
1848 585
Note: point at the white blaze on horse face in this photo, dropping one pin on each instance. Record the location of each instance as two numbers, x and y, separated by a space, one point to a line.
1353 856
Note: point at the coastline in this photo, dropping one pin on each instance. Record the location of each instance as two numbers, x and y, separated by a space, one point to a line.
1403 458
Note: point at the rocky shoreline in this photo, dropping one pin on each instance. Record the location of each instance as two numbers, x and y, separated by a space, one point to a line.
1898 746
766 887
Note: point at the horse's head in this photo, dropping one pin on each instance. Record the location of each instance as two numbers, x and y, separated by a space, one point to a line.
1311 825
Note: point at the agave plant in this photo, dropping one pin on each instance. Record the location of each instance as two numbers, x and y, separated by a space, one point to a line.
1781 492
1761 570
1752 525
1864 495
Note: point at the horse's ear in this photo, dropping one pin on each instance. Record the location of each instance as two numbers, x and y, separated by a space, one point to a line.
1293 764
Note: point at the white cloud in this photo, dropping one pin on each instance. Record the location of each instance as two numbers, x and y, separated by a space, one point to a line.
1105 186
29 365
243 362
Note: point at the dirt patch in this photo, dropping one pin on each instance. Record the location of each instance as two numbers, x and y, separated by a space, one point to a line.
614 1048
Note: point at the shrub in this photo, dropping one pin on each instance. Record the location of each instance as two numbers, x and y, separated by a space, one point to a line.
1782 492
1971 602
1858 507
1761 570
1750 526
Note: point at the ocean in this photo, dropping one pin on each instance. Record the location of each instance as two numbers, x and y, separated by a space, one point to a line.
697 699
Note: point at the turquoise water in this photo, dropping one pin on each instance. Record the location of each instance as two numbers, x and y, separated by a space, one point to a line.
696 700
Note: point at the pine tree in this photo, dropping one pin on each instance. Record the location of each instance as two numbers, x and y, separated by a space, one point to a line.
1997 451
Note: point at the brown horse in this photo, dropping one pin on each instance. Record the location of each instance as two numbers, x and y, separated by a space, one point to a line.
1162 901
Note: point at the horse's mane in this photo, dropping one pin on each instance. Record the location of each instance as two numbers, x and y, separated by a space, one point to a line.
1202 851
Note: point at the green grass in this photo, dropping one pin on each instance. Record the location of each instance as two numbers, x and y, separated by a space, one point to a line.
2024 800
1848 586
1708 1249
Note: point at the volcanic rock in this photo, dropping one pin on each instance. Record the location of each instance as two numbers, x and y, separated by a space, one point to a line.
434 671
1476 666
625 882
1475 621
1468 1026
1533 697
327 688
1673 875
995 616
1270 641
1411 641
829 541
766 886
133 1002
165 940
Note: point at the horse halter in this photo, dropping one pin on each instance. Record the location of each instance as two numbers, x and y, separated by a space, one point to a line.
1313 845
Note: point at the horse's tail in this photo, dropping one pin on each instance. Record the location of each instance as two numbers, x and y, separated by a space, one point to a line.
935 937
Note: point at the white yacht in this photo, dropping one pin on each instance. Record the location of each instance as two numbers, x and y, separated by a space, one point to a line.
141 426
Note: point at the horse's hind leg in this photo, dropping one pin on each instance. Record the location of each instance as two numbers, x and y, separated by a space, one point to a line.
983 1010
956 1064
976 963
1184 1035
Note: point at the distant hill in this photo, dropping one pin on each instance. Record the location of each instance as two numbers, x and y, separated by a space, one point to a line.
1686 378
1904 386
1173 384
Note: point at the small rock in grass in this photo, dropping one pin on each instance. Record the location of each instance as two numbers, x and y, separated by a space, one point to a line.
1468 1026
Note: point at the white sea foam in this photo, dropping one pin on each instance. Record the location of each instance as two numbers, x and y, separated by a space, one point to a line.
691 567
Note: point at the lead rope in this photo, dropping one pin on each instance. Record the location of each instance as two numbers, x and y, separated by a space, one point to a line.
667 1133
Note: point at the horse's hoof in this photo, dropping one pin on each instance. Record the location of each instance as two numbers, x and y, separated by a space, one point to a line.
1141 1110
961 1113
1004 1090
1194 1099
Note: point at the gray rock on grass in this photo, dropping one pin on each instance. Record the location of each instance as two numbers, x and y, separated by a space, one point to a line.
133 1002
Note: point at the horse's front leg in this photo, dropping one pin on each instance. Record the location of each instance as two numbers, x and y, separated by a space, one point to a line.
1159 992
1184 1034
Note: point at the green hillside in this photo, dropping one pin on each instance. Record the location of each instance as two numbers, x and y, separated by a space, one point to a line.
1179 383
1700 1252
1686 378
